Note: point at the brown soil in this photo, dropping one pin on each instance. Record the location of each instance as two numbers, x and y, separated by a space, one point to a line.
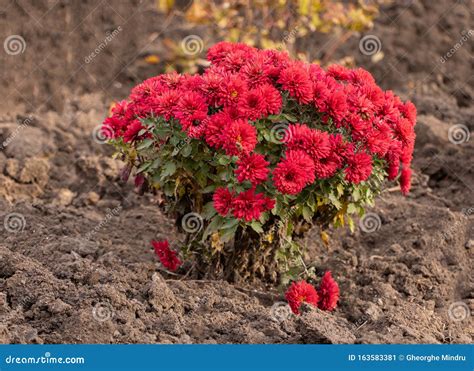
77 268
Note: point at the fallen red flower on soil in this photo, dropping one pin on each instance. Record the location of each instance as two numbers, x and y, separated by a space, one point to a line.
328 292
301 292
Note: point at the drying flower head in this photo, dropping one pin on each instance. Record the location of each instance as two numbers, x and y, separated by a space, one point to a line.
301 292
328 292
167 257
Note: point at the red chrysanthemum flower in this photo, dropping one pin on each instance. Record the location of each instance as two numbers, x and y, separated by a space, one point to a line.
148 88
301 292
215 126
296 80
191 82
405 179
293 173
275 61
319 145
359 76
336 106
171 80
339 148
165 104
132 131
272 98
190 109
252 167
339 72
167 257
326 167
113 126
359 167
249 205
255 71
222 199
217 53
314 142
234 61
393 159
120 108
297 136
328 292
212 85
378 140
321 92
408 110
232 90
252 105
239 137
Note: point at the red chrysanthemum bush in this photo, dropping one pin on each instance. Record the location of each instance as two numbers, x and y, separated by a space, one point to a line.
259 147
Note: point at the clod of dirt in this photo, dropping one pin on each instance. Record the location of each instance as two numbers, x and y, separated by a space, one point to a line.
26 141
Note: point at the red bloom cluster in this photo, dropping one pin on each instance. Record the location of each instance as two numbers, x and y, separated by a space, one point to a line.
325 298
246 205
355 122
167 257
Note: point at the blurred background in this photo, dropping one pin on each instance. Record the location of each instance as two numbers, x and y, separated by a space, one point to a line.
109 46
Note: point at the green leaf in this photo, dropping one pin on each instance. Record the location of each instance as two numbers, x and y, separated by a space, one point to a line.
334 200
156 163
186 151
168 189
256 226
307 214
224 160
210 188
201 178
289 117
228 234
208 210
143 167
264 217
145 144
213 226
230 223
356 194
